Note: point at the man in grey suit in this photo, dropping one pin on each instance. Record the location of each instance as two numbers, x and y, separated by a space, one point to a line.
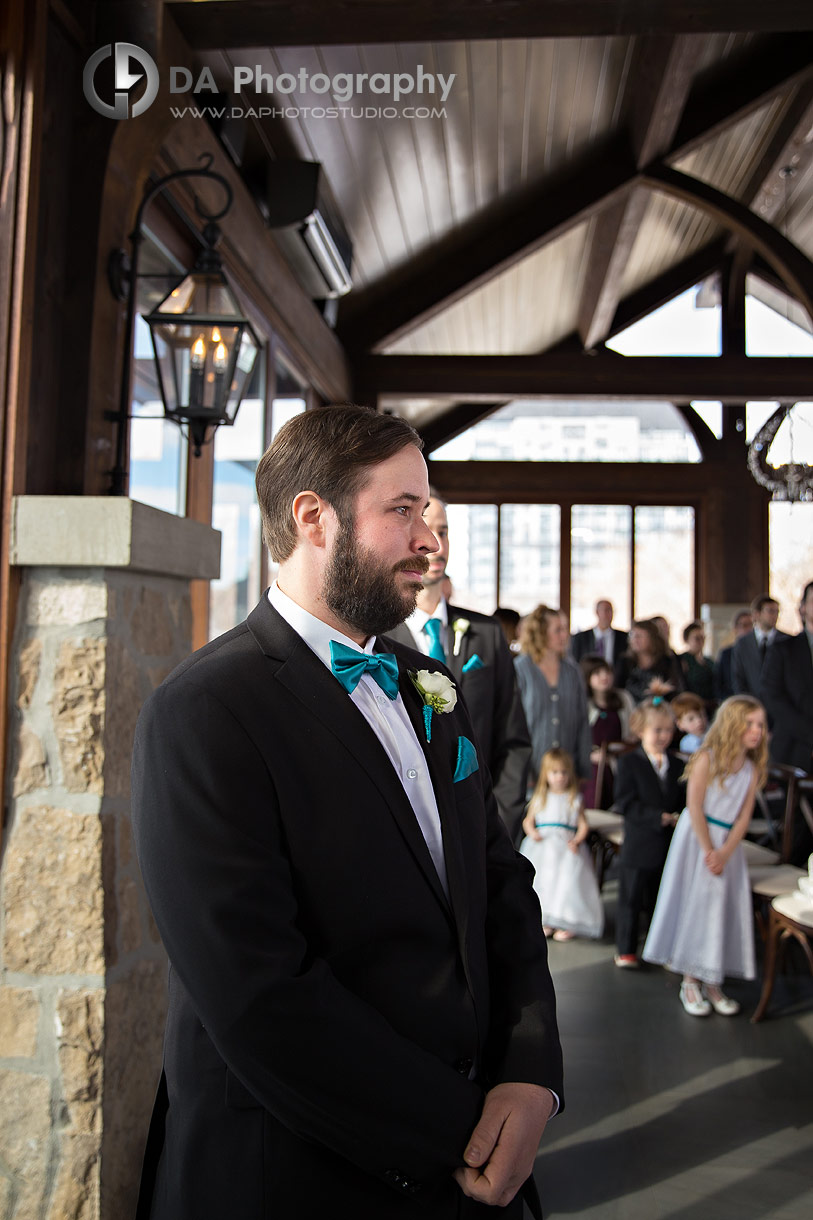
474 648
750 651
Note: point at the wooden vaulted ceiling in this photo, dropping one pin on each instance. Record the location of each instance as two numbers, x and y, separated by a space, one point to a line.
594 159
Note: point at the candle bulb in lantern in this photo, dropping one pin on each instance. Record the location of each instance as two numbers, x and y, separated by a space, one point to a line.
220 360
197 360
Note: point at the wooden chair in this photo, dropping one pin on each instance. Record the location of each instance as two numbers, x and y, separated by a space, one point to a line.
789 917
605 839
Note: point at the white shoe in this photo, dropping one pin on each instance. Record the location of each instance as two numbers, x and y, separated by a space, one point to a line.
691 997
722 1004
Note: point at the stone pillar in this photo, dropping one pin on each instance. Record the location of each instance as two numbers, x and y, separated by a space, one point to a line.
717 618
103 616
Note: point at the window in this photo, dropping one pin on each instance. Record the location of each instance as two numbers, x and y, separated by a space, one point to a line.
235 512
158 448
472 556
600 562
529 555
790 558
664 566
244 565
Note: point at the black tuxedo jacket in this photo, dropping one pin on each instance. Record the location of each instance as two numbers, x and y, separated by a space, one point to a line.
493 702
641 796
786 689
583 643
326 1001
746 663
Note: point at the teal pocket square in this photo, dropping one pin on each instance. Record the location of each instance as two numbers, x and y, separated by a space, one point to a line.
467 762
473 662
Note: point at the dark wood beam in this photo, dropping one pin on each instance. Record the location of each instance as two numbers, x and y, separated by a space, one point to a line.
585 482
790 148
596 375
267 23
794 267
680 278
514 228
661 76
731 91
489 244
458 419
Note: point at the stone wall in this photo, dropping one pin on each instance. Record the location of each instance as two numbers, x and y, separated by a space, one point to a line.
82 971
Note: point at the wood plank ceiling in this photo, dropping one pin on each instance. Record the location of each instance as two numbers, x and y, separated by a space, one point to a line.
521 219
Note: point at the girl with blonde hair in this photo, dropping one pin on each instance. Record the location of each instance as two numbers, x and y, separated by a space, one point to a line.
703 923
555 832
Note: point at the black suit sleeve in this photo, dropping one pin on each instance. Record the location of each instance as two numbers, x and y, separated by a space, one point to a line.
318 1057
784 691
511 742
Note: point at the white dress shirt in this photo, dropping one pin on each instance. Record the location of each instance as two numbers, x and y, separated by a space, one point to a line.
388 718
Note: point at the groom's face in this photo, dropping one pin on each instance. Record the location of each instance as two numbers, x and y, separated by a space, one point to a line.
378 558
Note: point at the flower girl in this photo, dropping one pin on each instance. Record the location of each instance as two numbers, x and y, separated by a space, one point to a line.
703 924
555 830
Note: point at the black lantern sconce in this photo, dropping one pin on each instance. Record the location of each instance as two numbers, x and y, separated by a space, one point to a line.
205 349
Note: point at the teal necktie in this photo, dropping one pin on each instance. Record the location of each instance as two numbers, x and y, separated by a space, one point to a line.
433 627
348 666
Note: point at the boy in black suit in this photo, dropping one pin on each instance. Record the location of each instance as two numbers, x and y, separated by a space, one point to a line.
649 795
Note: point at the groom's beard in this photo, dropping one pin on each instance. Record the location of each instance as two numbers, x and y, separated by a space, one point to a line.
362 591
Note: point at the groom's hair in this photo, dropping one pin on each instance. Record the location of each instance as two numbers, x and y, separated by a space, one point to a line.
327 450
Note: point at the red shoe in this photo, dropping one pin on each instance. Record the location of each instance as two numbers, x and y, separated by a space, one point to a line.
626 961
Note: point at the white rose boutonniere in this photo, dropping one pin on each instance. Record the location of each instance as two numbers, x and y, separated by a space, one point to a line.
438 694
460 626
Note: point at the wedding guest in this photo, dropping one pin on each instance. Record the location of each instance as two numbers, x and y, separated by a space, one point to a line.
691 720
608 710
698 671
703 924
552 691
555 832
751 649
603 639
786 687
473 646
649 796
509 621
645 669
787 691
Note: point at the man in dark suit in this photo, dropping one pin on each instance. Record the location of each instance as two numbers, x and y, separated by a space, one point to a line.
474 648
751 650
786 689
361 1019
603 640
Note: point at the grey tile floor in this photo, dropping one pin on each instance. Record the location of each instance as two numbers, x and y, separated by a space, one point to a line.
672 1117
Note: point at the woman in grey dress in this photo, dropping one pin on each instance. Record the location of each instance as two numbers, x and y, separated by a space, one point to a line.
552 692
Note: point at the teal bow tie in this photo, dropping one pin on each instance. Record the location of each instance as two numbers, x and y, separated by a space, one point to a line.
348 666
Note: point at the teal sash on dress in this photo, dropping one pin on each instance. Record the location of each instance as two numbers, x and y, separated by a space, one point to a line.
717 822
561 825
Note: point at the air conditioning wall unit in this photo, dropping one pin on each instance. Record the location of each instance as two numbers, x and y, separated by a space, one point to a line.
295 204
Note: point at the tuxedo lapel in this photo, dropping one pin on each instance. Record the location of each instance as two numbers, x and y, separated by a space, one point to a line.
313 687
